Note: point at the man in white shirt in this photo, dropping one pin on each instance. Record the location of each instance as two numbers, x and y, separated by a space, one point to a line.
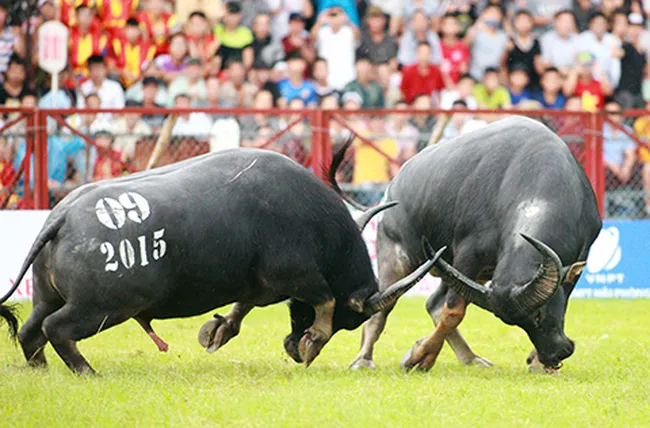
110 92
601 44
197 125
337 40
560 46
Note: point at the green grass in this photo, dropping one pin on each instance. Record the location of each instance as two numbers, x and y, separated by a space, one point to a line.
251 382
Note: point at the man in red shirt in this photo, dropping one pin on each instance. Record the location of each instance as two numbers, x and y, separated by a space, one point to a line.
582 83
421 77
158 24
455 53
129 52
200 39
85 42
114 14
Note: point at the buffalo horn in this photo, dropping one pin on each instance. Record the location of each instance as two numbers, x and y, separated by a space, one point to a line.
380 301
365 218
472 291
530 296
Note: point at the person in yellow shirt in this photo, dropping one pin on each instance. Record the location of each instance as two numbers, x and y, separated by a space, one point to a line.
371 166
642 129
490 94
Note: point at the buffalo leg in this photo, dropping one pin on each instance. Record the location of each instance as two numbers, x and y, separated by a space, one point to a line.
302 316
372 329
464 353
425 351
319 333
31 337
146 325
218 331
65 327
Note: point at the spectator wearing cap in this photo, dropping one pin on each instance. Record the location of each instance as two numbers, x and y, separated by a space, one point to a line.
582 10
128 129
191 82
487 40
129 53
379 46
518 84
490 94
110 92
320 73
601 44
633 66
236 40
455 53
173 64
550 94
296 86
298 39
113 15
581 82
336 40
264 46
201 42
524 50
260 76
423 77
560 45
158 24
370 91
13 83
418 32
85 42
236 91
281 12
191 124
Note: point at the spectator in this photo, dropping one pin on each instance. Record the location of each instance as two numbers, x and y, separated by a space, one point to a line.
406 135
85 42
432 8
172 65
392 10
544 10
320 72
619 151
158 24
113 16
67 13
518 84
191 124
190 82
298 40
282 10
296 86
201 42
250 124
264 46
212 95
422 122
151 100
583 10
524 49
642 129
129 53
618 25
455 53
236 92
65 98
108 163
364 85
13 83
260 76
560 46
379 46
11 40
601 44
250 9
463 91
487 40
135 91
418 33
374 164
466 11
633 65
490 94
47 11
279 72
236 40
581 82
88 123
110 92
550 94
336 40
389 81
461 123
421 78
292 144
128 129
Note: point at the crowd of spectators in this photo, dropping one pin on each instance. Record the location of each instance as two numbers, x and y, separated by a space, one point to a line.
574 55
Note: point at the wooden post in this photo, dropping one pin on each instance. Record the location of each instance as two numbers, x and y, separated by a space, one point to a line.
163 141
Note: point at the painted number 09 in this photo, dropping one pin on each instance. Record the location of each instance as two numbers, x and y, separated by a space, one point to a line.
127 253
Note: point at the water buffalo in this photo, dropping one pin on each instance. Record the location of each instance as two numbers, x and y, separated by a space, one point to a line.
242 226
514 207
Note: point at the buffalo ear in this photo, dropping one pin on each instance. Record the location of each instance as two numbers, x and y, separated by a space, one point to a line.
574 272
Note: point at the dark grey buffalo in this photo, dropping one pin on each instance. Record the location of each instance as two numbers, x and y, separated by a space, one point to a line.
242 226
514 207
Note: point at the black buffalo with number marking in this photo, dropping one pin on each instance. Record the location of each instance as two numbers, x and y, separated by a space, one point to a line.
242 226
513 206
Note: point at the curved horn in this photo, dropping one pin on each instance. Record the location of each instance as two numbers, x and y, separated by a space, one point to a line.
543 286
386 299
365 218
472 291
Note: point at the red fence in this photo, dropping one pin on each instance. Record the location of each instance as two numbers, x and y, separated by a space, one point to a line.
384 139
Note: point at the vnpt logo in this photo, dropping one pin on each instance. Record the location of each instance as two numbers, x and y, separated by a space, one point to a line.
604 257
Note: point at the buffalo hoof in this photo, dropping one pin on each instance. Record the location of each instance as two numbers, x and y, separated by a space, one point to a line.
362 363
311 344
216 333
478 361
291 346
424 363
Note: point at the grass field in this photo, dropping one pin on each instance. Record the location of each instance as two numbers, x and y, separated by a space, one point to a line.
251 382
